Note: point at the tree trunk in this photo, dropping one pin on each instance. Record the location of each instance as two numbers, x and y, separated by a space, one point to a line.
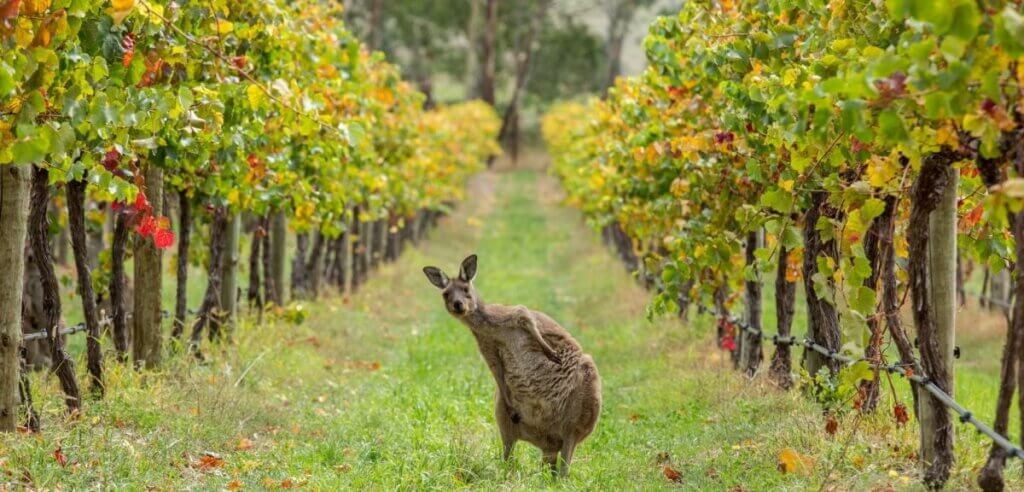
254 296
931 236
348 268
821 314
785 299
269 287
620 17
487 49
278 254
118 283
38 223
184 239
524 57
753 353
146 318
369 247
983 300
875 248
374 36
25 391
991 477
891 297
214 268
229 277
14 192
315 266
298 277
471 76
75 191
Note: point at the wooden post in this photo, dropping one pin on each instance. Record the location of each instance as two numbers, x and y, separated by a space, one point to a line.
931 236
146 318
14 193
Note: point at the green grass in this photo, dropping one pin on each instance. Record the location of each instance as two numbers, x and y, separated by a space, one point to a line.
384 390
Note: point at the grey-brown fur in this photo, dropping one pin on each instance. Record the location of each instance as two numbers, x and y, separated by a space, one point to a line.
549 392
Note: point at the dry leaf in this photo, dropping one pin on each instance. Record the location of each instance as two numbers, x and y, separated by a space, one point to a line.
900 412
790 461
208 461
235 484
672 474
58 454
244 444
831 425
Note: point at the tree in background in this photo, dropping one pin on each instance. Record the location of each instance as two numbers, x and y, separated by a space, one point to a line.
518 56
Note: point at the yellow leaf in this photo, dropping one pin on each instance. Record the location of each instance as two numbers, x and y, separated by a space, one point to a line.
119 9
790 461
947 136
35 7
881 171
223 27
786 184
255 95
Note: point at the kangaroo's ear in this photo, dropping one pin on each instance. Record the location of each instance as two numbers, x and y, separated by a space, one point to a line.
436 277
468 270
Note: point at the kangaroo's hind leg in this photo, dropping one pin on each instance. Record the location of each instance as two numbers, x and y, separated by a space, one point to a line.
507 420
568 447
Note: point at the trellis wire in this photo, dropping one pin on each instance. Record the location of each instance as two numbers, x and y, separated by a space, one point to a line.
966 416
40 335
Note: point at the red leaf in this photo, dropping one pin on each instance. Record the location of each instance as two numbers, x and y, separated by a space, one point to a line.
147 226
8 11
900 412
728 343
163 238
111 160
128 45
58 454
142 203
672 474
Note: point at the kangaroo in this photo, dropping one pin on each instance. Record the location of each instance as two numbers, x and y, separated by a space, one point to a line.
549 392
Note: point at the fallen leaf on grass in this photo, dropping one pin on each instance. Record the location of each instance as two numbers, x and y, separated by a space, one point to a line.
831 425
790 461
672 474
244 444
58 454
858 462
208 461
663 458
235 484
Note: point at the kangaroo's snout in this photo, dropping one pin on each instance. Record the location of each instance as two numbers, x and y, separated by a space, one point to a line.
458 307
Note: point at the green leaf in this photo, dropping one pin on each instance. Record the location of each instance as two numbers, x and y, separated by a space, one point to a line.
892 128
873 207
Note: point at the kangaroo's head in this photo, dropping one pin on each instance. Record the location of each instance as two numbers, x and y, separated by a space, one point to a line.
459 295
